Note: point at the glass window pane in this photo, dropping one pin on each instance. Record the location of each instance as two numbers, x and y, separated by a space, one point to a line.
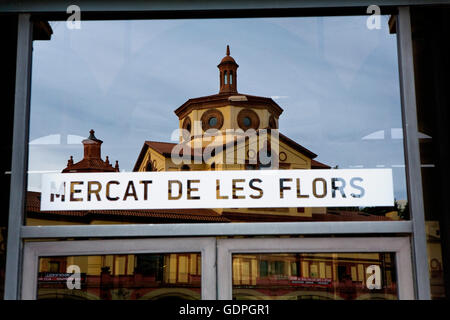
110 96
121 277
324 276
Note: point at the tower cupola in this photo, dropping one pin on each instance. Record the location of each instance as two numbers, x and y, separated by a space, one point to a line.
228 74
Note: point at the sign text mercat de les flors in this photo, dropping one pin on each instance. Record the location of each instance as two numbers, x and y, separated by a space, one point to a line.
217 189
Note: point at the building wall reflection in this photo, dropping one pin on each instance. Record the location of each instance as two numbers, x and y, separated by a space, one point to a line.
312 276
112 277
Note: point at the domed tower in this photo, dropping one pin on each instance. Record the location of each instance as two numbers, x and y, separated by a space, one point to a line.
228 109
229 131
228 74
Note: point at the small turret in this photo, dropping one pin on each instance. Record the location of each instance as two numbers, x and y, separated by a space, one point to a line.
228 74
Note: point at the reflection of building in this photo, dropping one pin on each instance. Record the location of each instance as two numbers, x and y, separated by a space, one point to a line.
435 263
218 128
120 277
214 127
92 161
255 276
311 276
159 276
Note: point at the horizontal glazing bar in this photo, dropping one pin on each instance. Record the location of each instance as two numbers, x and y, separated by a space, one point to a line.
178 5
216 229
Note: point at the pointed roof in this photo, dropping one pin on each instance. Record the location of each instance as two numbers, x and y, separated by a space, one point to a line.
92 136
228 94
228 58
319 165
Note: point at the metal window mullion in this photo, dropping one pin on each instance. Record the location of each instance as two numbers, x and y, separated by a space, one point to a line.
399 245
205 246
412 152
198 5
19 157
217 229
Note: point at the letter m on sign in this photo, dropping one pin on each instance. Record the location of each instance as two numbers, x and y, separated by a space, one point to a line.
57 192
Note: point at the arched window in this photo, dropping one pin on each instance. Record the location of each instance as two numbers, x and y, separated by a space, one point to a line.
225 77
231 77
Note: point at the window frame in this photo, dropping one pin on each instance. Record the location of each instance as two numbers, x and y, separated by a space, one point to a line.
17 232
34 250
399 245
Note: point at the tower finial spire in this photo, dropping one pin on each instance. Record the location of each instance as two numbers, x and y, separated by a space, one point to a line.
228 50
91 135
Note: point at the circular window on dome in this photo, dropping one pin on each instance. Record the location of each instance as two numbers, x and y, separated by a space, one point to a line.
187 127
248 119
212 119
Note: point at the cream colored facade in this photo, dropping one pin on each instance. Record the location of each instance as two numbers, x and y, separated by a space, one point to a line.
235 157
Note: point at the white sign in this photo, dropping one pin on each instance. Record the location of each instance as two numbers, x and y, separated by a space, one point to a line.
217 189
